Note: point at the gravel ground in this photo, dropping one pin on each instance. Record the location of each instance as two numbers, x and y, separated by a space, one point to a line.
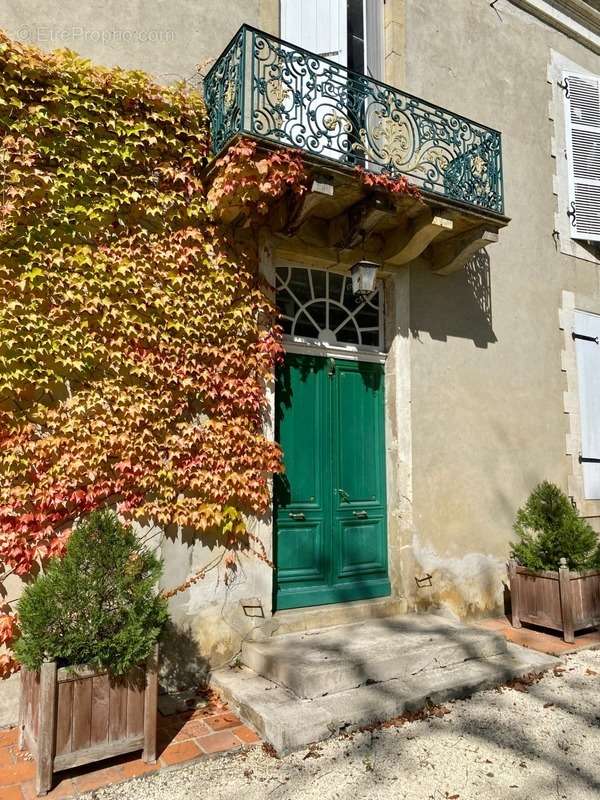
538 744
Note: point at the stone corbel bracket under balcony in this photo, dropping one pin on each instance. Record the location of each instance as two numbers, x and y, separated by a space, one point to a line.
340 219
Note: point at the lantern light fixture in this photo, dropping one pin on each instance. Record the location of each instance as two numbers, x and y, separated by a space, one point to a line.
363 275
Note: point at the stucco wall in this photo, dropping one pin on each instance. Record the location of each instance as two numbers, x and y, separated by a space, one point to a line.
167 38
209 621
488 420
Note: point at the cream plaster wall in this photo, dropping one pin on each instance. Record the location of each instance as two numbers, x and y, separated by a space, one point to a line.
211 619
167 38
488 418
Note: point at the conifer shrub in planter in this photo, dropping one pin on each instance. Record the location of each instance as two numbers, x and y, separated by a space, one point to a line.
554 569
88 649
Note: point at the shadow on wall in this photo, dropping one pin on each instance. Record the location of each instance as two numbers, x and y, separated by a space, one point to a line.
458 305
182 666
593 248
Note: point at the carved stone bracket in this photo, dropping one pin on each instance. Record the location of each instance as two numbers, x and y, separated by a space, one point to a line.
452 254
407 244
321 188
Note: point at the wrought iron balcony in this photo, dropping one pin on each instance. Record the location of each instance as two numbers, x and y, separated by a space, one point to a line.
267 89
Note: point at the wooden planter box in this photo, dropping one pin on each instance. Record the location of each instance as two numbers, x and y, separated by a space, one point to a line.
74 716
562 601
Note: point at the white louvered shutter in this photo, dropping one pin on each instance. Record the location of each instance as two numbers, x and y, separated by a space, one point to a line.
582 116
374 39
588 378
320 26
316 25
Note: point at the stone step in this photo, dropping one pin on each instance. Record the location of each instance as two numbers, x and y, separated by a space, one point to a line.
300 620
334 660
289 723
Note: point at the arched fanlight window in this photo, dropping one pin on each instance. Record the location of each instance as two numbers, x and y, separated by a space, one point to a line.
319 305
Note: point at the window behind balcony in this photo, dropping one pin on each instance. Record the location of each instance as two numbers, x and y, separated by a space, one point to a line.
349 32
356 35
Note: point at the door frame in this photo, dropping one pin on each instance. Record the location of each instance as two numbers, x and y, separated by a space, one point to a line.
298 345
273 251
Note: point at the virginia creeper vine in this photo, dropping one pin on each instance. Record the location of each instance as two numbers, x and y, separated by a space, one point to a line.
135 338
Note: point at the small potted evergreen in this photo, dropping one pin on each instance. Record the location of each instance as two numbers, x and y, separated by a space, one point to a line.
88 650
554 569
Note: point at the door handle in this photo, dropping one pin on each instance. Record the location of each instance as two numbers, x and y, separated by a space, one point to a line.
344 496
360 514
299 516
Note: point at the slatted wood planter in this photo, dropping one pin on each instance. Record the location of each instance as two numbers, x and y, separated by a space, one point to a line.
75 716
562 601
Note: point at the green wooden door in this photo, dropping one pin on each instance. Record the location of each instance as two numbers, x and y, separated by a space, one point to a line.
330 508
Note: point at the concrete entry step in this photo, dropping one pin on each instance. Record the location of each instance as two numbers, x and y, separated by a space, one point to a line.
439 661
318 663
310 618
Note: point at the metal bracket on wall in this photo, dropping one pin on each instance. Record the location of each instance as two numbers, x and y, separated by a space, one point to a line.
423 581
585 338
252 607
493 5
583 460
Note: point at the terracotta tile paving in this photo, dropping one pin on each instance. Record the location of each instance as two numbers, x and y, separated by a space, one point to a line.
8 736
192 729
182 738
181 751
246 734
218 742
12 793
541 639
223 721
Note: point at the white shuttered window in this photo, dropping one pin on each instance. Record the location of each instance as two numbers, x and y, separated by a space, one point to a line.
374 38
586 336
316 25
582 118
321 26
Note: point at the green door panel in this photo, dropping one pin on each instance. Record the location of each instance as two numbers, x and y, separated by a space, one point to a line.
301 400
359 436
362 549
330 505
301 501
359 472
301 555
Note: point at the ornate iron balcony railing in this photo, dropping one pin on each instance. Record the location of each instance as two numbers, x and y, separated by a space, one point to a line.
268 89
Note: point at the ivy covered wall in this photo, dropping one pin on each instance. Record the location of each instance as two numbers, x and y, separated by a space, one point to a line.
135 338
